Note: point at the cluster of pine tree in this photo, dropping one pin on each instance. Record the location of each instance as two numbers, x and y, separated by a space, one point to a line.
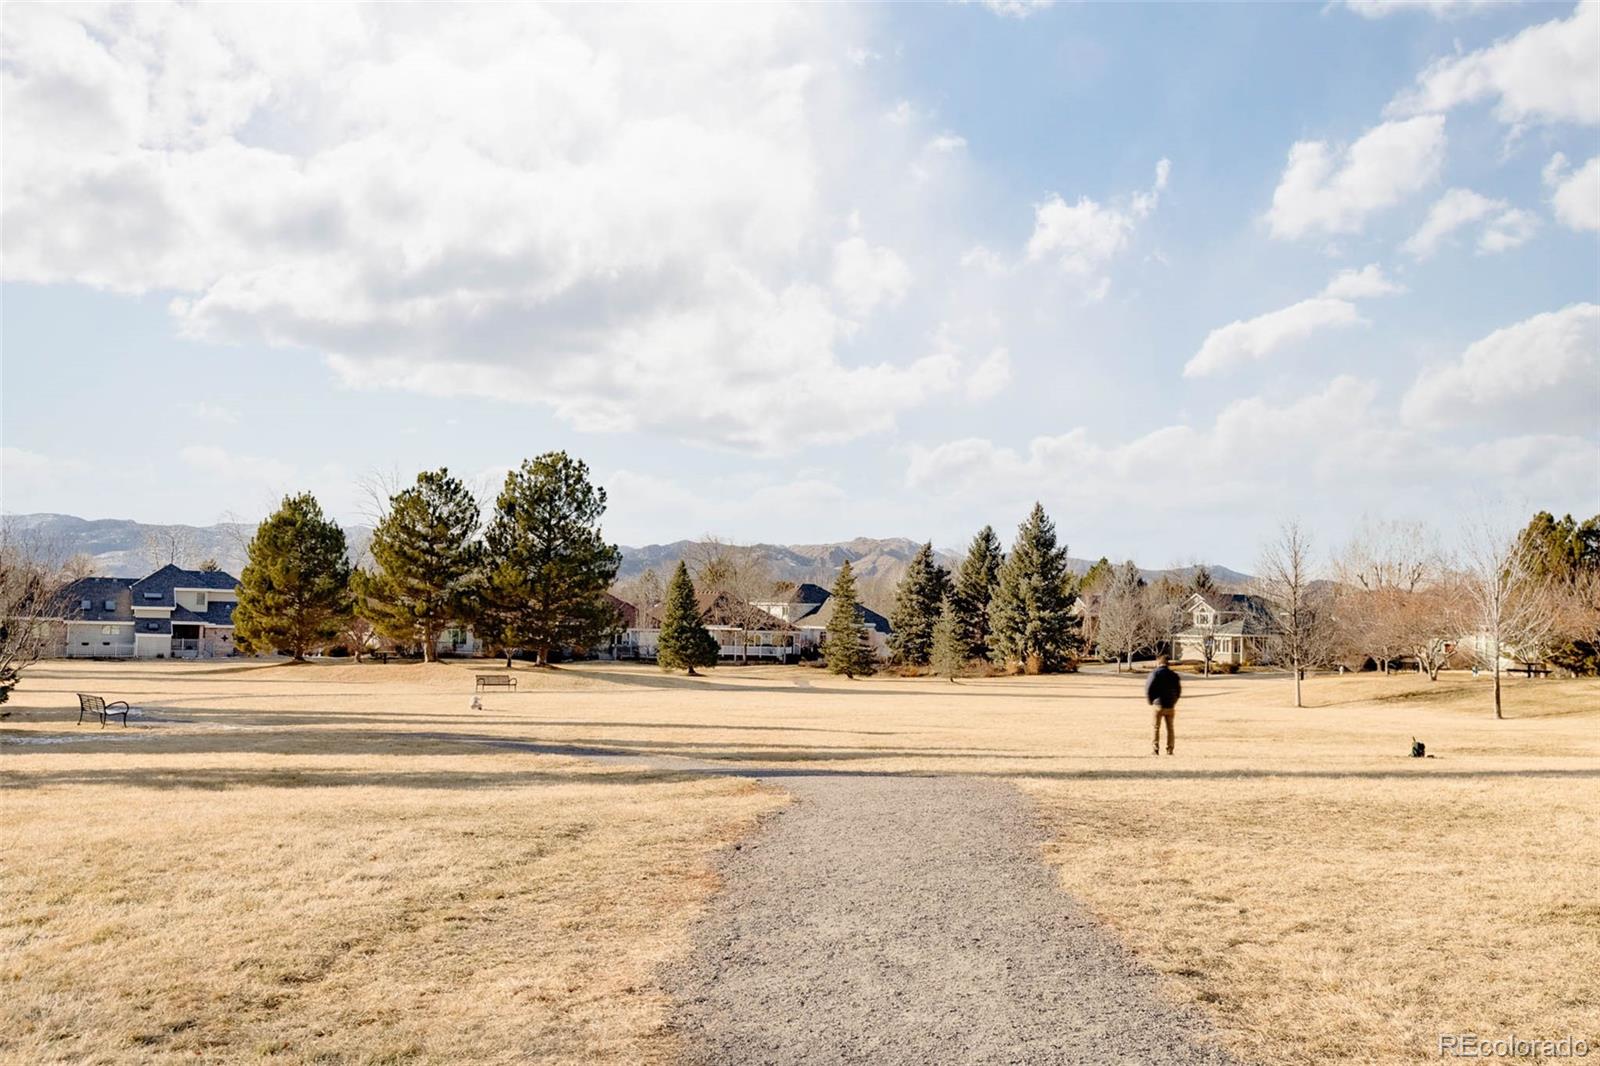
534 578
1011 609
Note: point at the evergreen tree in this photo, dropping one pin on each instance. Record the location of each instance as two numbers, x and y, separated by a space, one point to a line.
845 647
1564 555
947 657
1032 610
1202 582
974 587
685 642
294 591
427 561
918 601
548 566
1096 577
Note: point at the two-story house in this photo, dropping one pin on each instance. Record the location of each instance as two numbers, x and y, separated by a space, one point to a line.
171 614
1239 627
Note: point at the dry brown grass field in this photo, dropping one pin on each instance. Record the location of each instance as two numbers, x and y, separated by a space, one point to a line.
336 863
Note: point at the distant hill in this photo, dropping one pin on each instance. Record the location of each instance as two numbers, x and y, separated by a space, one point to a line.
121 547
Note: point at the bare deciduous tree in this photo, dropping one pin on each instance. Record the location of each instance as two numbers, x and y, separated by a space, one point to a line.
171 545
1399 596
719 566
1510 610
33 579
1126 618
1287 573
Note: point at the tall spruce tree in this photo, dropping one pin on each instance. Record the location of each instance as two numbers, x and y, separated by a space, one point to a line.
427 561
1032 609
549 568
1202 582
845 648
918 601
948 656
973 589
685 642
294 591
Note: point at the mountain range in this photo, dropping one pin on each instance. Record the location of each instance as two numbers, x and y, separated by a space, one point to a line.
121 547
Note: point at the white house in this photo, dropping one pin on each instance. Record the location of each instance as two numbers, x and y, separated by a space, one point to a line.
809 609
171 614
1239 628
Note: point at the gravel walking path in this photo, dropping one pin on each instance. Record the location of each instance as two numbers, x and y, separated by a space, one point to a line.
913 920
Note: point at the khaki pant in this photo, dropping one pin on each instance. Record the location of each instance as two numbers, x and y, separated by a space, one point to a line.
1168 713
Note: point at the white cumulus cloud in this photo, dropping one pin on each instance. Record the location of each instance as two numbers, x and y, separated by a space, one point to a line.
1085 236
1543 371
866 275
1546 73
1575 195
1504 226
1328 190
1377 9
1361 284
624 216
1252 339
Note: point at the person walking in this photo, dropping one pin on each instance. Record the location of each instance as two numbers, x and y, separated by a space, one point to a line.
1162 692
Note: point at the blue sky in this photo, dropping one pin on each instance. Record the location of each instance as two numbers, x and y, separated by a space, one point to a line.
802 274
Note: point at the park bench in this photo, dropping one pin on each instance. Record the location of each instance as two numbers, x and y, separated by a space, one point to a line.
495 681
96 705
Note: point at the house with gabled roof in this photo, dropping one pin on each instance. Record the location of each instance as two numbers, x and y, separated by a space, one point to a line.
1238 626
172 613
743 631
809 608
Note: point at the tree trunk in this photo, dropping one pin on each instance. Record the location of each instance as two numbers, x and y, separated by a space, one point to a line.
430 646
509 653
1497 712
692 673
1297 702
544 656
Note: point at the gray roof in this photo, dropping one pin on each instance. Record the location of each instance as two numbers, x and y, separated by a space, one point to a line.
169 577
97 590
806 592
865 615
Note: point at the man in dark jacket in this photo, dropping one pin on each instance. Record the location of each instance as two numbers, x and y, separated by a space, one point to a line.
1162 691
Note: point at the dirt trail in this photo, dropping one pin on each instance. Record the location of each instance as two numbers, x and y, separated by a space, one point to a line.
912 920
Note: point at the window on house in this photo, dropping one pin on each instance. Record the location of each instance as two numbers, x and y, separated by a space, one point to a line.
151 626
107 630
152 595
84 606
111 605
199 601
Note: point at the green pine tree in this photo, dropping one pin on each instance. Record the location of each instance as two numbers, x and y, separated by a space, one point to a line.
549 568
844 647
1096 577
1032 610
947 656
427 561
917 604
294 591
1564 555
974 587
1202 582
685 642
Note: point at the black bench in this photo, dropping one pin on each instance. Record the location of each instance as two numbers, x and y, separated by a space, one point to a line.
494 681
96 705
